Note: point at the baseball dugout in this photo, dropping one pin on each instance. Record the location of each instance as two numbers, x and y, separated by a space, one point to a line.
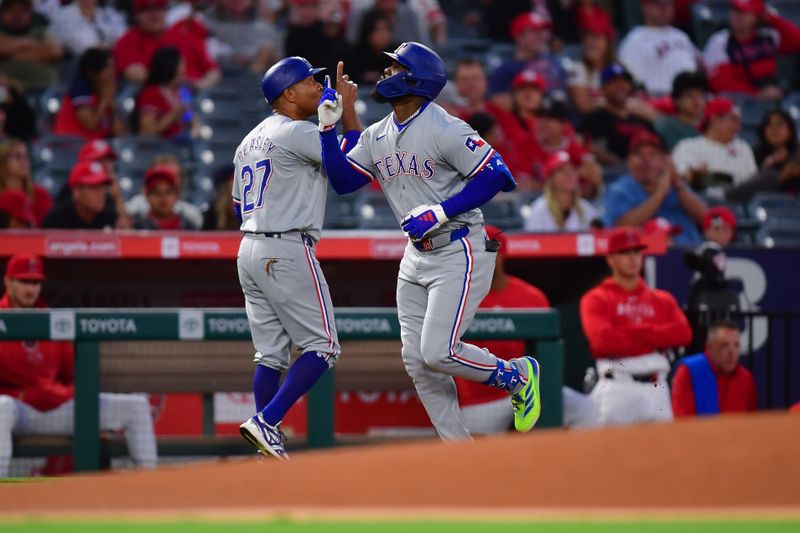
207 351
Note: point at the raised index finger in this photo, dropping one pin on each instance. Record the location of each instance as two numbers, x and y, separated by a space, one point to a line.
339 72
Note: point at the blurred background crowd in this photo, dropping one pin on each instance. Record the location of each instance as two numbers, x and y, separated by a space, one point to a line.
677 116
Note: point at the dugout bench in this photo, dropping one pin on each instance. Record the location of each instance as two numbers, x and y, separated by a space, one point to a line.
194 350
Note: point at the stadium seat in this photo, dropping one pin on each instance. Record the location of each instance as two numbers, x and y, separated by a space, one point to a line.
708 17
766 206
340 211
47 107
373 211
752 108
52 179
779 233
497 54
142 149
368 109
504 212
56 152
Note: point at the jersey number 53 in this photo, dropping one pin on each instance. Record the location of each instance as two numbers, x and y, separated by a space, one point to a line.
255 181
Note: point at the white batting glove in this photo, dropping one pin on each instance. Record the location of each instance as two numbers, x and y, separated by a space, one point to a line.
423 219
329 109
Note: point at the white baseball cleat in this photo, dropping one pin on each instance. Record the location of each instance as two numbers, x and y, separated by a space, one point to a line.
268 439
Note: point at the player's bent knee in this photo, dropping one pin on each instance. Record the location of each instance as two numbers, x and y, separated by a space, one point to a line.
436 362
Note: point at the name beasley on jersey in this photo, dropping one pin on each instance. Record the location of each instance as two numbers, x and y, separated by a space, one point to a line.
264 144
404 164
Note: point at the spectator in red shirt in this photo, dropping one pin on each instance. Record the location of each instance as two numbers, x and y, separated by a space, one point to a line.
487 410
37 381
629 325
554 133
190 36
15 174
16 211
88 109
519 124
714 382
133 51
743 59
160 110
161 191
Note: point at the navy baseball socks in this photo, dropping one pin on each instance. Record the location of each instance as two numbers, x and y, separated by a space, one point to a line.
520 377
265 385
263 430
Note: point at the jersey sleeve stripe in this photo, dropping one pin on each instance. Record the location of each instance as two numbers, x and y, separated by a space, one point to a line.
361 169
236 200
482 163
343 144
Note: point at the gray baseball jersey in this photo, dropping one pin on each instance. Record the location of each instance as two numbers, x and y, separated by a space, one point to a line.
281 189
280 183
425 160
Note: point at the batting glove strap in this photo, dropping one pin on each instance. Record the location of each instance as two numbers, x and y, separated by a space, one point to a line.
423 219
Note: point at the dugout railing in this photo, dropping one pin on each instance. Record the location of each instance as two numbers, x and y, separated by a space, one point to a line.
88 328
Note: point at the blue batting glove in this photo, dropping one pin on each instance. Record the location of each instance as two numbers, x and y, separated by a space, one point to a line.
423 219
328 94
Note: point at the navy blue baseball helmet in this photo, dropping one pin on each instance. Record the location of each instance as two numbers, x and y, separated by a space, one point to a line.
284 74
426 75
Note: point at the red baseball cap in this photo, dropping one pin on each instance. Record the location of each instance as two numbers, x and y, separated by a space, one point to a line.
528 21
88 173
25 266
661 225
719 215
159 174
717 107
144 5
644 137
529 78
498 235
623 240
555 161
96 150
18 205
600 26
748 6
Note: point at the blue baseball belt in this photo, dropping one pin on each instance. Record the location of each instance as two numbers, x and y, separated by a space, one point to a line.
431 243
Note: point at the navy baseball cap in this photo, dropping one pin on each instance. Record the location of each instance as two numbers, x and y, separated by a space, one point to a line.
614 71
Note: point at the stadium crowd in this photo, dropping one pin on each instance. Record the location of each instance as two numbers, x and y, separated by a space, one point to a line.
609 113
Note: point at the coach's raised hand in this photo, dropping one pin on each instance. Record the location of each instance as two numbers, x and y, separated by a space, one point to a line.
329 109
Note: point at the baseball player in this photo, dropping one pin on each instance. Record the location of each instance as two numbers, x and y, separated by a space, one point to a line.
435 171
279 194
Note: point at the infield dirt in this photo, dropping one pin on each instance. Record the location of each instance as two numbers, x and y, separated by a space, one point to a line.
729 464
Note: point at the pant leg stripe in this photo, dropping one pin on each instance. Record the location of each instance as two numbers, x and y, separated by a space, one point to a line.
320 299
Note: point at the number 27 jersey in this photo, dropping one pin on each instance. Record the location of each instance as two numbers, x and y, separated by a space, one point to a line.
279 181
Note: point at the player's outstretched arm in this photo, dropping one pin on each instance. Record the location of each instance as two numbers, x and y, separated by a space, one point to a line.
483 186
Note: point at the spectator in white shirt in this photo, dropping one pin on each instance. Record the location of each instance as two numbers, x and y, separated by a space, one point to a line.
656 52
560 207
718 157
84 24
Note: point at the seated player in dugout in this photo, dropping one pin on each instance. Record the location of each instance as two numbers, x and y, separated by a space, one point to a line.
435 172
37 381
714 381
629 327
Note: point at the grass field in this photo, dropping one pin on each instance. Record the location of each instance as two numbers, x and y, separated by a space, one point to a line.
285 526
